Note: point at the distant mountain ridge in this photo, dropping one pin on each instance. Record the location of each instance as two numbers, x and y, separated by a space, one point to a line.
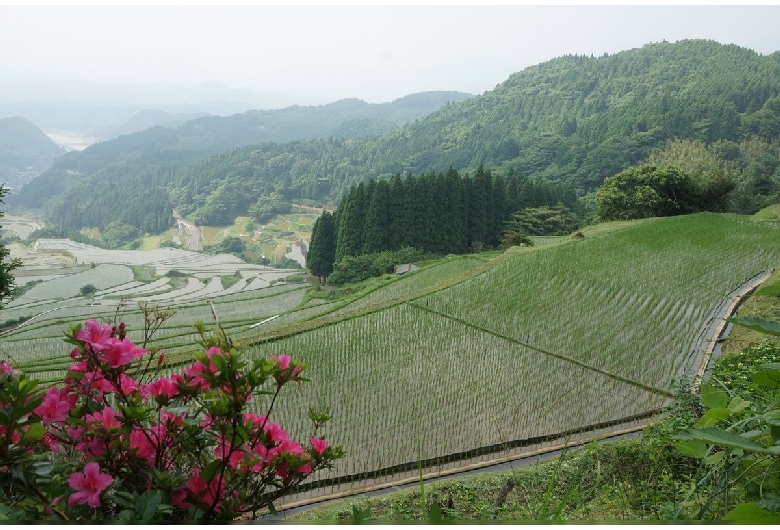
573 120
349 118
25 150
147 119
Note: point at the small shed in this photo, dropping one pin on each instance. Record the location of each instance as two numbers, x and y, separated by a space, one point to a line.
406 267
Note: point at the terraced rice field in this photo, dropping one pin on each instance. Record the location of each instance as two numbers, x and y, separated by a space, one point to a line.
543 341
464 354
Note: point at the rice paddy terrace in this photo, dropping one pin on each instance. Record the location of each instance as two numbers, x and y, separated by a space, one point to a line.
469 356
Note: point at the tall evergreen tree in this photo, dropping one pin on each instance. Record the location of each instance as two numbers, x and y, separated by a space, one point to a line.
377 220
395 213
479 199
322 249
349 240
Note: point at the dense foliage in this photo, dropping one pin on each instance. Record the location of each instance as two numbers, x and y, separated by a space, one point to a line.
322 249
353 269
126 164
439 213
650 191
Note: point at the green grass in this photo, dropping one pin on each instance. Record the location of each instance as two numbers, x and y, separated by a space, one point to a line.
770 213
620 481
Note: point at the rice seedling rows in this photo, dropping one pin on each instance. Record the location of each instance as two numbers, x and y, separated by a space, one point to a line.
415 282
102 277
390 373
629 302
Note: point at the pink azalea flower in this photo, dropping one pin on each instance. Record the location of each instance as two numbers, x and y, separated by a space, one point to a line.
106 417
319 445
207 493
275 432
93 383
127 384
15 436
216 351
173 420
56 405
142 447
88 485
179 500
95 335
162 390
6 368
283 361
118 353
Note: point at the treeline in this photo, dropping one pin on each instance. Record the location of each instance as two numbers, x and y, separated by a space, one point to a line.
574 120
435 213
198 138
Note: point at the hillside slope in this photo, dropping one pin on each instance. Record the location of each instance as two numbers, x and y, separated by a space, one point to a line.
573 120
24 151
147 149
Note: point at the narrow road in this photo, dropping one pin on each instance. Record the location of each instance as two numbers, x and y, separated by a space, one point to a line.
192 232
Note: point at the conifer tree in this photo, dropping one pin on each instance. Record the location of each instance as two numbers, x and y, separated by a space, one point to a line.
375 237
322 249
395 213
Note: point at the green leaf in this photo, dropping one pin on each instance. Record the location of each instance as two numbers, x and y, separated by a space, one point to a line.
772 417
146 505
774 431
713 397
738 404
757 324
769 290
767 378
210 470
34 432
693 448
714 458
750 513
771 501
712 417
726 439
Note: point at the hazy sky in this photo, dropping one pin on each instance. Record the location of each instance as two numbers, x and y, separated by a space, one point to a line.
324 53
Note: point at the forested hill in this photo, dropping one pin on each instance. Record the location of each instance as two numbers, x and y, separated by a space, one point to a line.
24 149
574 120
143 152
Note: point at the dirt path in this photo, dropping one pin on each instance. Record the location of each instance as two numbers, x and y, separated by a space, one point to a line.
192 232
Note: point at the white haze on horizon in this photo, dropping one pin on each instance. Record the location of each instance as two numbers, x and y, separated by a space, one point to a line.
316 54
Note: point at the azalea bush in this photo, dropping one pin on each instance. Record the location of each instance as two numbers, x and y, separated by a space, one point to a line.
119 441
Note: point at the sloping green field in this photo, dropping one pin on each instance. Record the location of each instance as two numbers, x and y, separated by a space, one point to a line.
545 341
476 352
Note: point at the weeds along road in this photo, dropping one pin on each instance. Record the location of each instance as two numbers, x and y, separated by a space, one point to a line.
283 512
